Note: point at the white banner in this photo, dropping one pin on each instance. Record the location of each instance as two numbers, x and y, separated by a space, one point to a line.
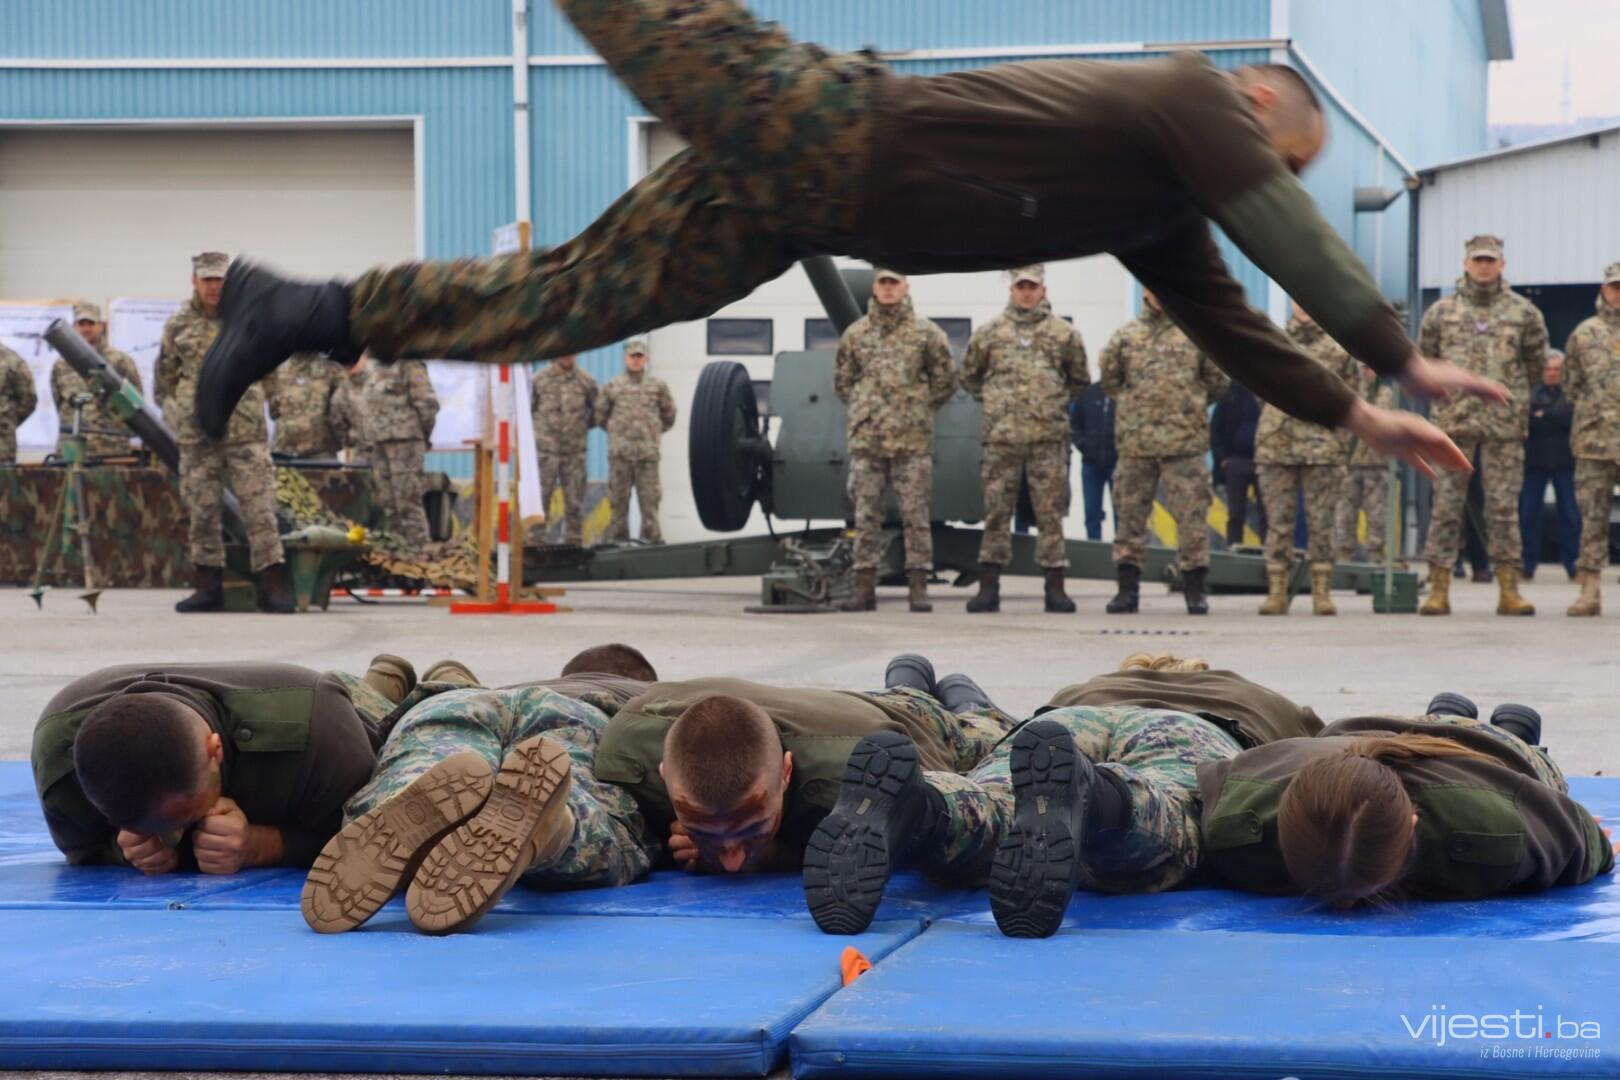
22 330
136 327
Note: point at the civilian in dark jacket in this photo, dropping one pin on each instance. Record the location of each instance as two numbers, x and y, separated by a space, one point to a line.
1091 425
1549 460
1231 439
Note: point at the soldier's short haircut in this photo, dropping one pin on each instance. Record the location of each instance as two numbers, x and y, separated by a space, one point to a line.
132 752
1298 97
612 659
721 747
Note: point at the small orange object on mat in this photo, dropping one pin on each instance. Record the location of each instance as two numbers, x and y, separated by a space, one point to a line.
853 963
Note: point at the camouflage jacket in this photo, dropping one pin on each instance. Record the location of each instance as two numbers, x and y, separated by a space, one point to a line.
396 402
300 395
1162 387
65 382
1281 439
1493 332
1592 381
1026 366
344 412
186 337
893 372
636 409
563 404
1363 456
18 399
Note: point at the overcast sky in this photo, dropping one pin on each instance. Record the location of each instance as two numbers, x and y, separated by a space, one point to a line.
1529 88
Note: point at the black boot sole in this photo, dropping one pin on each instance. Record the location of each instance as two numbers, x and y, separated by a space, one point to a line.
1451 703
849 857
1037 863
912 663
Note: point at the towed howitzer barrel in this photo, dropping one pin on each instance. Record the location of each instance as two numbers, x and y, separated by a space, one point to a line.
842 307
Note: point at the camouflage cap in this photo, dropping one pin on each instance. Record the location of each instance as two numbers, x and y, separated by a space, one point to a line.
1483 245
210 264
1611 274
85 311
1036 274
636 347
879 273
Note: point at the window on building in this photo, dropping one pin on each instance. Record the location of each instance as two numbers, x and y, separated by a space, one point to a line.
741 337
958 330
820 334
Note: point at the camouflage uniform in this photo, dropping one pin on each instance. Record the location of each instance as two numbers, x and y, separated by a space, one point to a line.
1155 752
563 405
112 438
1162 387
1366 485
241 459
300 395
636 408
610 844
970 736
1592 381
18 398
344 415
893 372
1026 366
1293 455
395 410
1497 333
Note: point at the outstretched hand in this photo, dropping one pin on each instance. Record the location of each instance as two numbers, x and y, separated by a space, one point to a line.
1428 380
1395 433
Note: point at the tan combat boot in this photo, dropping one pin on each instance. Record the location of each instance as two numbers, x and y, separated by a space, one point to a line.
918 596
864 598
391 676
1322 589
1439 601
1509 602
1276 591
451 671
1591 598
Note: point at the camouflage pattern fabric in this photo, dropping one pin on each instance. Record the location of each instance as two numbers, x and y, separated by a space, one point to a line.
1545 768
912 477
566 472
137 537
778 136
610 844
562 403
1366 489
396 401
1026 366
1186 496
969 736
1594 496
1280 488
299 393
376 711
1493 332
1501 466
397 486
1381 394
641 475
1162 387
893 372
1155 752
636 409
1046 465
205 469
1592 381
106 434
18 399
185 340
343 413
1281 439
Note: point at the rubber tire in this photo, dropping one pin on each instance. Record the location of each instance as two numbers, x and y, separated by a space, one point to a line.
726 480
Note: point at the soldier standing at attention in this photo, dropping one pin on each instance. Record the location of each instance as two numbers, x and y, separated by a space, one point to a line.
300 397
562 400
1026 365
18 398
106 435
893 373
1294 456
1163 387
1592 381
397 411
1488 329
636 409
241 457
1366 485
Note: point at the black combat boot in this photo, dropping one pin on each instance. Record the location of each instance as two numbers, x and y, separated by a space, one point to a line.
1057 600
885 818
265 318
208 585
989 597
910 669
271 592
1037 862
1520 720
1129 597
1450 703
958 693
1192 588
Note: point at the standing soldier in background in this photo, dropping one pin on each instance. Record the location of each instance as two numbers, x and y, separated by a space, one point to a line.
1163 387
1295 457
241 458
1026 365
1366 484
1592 381
343 413
893 373
636 409
106 434
1490 330
18 399
397 408
300 396
562 401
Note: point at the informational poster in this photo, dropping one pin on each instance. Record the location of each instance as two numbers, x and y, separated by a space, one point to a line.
22 330
136 327
460 389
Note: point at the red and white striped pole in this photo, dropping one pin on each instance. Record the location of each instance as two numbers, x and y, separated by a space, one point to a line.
504 394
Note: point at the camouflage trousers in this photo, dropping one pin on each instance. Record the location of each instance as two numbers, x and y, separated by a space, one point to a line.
1155 752
205 469
1047 467
1594 495
778 135
376 712
1540 762
624 474
1501 466
1280 488
566 473
1366 488
610 844
398 485
970 736
1186 496
912 477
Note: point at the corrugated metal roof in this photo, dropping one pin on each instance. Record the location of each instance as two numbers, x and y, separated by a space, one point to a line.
1592 136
